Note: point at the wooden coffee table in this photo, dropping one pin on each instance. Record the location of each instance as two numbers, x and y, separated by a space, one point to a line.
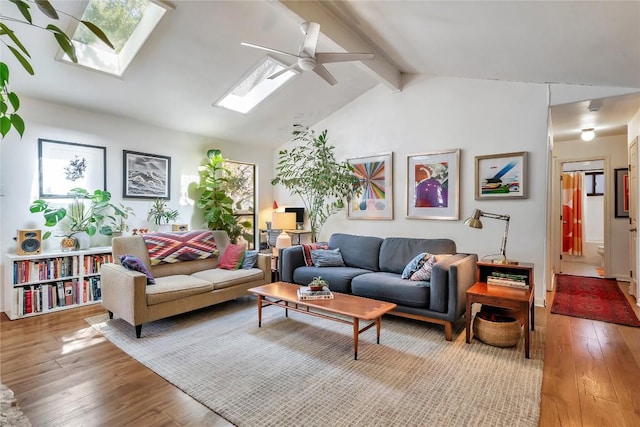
357 308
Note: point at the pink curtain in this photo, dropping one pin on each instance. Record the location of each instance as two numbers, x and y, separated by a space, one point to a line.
572 213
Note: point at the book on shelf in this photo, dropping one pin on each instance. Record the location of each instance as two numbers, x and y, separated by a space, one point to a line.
507 282
304 293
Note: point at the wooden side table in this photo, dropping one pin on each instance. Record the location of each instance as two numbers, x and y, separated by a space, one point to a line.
520 300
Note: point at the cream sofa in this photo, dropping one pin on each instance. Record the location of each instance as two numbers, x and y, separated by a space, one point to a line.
180 287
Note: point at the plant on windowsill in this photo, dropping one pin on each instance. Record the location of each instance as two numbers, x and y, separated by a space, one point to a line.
160 213
86 213
311 171
214 201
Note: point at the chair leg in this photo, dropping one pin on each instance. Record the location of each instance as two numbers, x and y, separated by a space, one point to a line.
138 330
110 314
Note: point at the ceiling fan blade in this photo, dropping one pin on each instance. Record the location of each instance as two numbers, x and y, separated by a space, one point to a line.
312 31
327 57
281 72
268 49
325 74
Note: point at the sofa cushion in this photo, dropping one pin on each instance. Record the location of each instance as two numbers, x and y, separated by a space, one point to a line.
392 288
307 248
423 274
221 278
250 258
170 288
415 264
359 251
339 278
327 258
134 263
396 252
232 258
183 246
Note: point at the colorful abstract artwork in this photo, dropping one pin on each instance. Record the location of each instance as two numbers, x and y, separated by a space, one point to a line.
501 176
372 197
433 185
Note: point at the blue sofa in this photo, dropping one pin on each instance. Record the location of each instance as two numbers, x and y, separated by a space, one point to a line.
373 269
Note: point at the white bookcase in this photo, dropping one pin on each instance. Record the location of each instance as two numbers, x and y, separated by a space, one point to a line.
53 281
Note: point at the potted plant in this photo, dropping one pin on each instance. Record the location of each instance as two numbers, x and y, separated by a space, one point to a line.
118 223
317 284
160 214
311 171
214 201
84 217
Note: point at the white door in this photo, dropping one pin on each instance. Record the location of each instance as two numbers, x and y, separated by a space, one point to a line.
633 219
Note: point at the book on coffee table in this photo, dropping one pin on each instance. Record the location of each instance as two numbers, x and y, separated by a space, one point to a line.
304 293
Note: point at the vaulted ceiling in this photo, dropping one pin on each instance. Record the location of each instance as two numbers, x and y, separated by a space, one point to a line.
194 57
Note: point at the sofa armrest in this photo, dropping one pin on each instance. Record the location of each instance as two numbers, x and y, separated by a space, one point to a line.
124 292
450 279
264 263
290 259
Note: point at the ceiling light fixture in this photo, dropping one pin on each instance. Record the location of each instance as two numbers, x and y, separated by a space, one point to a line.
587 134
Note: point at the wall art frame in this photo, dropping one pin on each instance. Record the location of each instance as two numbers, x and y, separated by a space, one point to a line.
501 176
433 185
373 197
145 176
622 193
63 166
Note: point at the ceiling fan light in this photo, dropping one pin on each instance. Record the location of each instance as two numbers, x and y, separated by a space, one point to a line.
588 134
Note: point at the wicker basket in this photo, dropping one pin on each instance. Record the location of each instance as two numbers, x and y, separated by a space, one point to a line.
499 334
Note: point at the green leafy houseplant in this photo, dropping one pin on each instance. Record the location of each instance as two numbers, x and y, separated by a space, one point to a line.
214 201
160 213
311 171
9 101
87 212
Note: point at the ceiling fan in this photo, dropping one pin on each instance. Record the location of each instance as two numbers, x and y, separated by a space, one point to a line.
309 59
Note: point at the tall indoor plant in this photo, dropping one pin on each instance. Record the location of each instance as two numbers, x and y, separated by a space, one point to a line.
216 205
311 171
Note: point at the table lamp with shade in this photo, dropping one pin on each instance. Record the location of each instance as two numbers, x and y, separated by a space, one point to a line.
283 221
474 222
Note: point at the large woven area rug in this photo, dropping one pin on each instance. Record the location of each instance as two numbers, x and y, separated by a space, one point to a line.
299 371
592 298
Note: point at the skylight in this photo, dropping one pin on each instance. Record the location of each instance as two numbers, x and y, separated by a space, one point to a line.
127 23
256 86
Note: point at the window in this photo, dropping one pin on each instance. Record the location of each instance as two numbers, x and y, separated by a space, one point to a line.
127 23
256 86
594 183
241 185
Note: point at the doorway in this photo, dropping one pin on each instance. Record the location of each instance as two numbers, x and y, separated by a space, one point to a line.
582 208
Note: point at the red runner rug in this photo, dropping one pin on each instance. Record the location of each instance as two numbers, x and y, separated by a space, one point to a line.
592 298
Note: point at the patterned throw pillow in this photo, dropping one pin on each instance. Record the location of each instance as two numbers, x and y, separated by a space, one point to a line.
415 264
423 274
327 258
250 258
307 248
134 263
232 257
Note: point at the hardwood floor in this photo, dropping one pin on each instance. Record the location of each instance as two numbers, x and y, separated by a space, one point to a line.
63 373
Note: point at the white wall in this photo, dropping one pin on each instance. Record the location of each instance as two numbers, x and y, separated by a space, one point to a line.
19 164
479 117
613 148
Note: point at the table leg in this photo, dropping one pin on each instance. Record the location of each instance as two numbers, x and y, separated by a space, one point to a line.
259 311
527 334
286 309
356 329
468 318
533 310
378 324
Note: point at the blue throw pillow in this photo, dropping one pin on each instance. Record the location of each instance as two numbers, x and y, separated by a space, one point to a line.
250 258
415 264
327 258
134 263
